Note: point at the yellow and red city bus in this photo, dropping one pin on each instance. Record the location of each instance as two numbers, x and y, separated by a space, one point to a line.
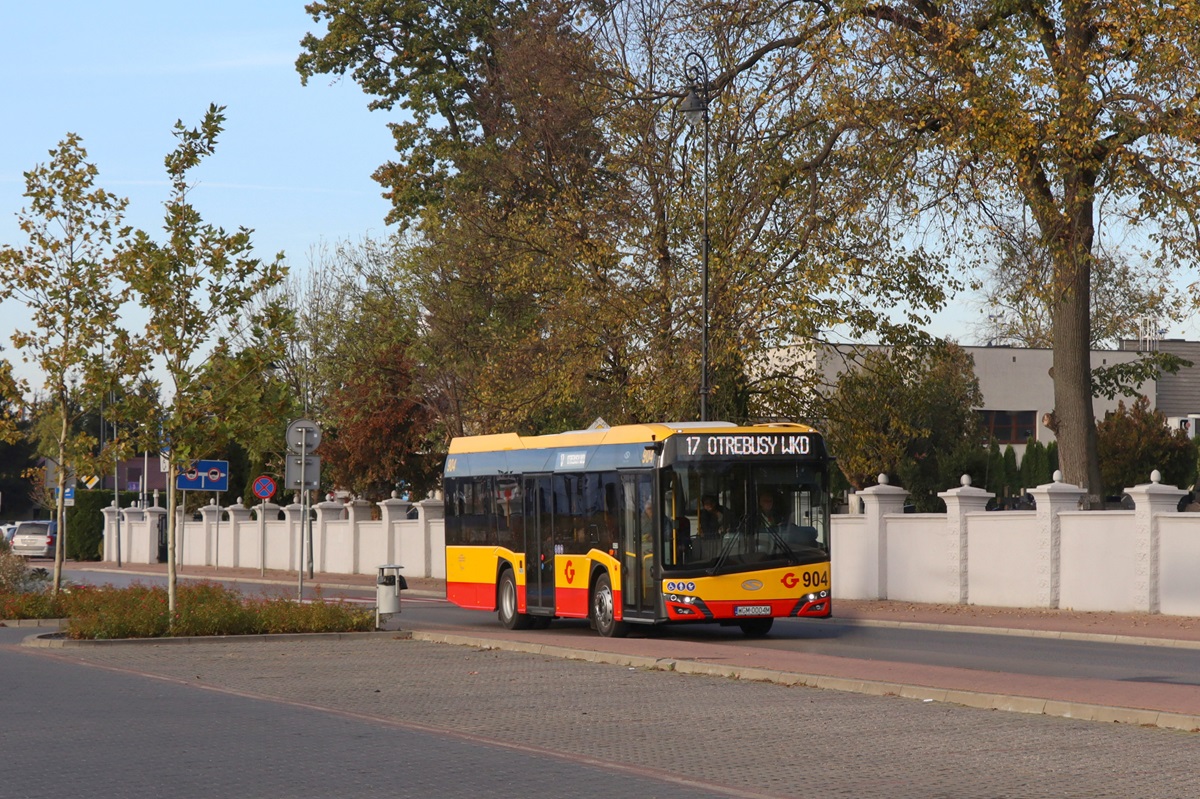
641 524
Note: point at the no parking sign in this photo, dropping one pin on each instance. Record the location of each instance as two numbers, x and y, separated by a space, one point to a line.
264 487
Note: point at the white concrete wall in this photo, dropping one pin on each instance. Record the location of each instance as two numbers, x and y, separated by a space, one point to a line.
340 546
335 548
1000 558
372 546
282 542
1145 560
853 576
917 567
1179 564
1098 556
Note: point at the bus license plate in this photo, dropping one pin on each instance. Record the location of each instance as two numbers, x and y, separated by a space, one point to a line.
752 610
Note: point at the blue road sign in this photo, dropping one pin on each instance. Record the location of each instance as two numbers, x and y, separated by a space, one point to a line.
204 476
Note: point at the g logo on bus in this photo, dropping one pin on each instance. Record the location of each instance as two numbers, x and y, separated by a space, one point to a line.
790 580
570 572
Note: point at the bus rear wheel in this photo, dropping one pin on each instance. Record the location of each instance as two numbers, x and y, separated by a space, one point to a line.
756 628
506 604
604 610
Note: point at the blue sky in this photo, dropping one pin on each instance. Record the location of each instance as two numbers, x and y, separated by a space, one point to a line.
294 162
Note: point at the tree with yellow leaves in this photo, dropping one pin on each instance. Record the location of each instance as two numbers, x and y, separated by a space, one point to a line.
63 275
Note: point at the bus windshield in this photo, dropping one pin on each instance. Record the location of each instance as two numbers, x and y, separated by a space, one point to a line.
729 516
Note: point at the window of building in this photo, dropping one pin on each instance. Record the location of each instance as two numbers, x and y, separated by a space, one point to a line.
1009 427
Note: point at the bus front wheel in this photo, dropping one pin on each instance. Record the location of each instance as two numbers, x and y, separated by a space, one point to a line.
604 610
506 602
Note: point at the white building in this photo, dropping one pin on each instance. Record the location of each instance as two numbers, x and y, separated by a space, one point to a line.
1018 390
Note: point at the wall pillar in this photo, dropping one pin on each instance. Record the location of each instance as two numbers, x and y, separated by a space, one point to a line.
327 512
294 514
239 514
211 517
1150 499
959 502
878 501
392 510
357 512
264 512
110 533
1052 499
430 511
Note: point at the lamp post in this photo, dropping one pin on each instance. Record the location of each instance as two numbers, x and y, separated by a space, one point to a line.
695 108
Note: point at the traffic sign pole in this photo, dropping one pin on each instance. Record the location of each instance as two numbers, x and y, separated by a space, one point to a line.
306 436
264 489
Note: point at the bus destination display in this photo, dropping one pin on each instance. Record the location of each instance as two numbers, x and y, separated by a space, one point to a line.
719 445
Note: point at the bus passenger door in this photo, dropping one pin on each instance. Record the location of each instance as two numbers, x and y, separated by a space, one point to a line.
639 530
539 543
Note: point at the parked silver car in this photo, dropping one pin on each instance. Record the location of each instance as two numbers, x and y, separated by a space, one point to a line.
35 539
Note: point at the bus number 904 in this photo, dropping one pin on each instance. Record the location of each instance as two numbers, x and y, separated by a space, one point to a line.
815 579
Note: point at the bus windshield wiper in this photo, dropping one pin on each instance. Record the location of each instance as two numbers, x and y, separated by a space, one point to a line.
727 546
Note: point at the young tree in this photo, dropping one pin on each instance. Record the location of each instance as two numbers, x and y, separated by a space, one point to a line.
907 414
64 277
12 393
378 419
17 453
199 288
1135 441
994 470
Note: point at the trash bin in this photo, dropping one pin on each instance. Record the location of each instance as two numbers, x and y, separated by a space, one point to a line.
388 586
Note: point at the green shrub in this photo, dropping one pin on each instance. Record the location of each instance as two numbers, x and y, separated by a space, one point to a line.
138 611
17 578
211 609
202 609
318 616
85 522
30 605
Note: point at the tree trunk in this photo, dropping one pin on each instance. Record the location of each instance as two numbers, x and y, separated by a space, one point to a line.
1077 453
60 519
60 507
171 535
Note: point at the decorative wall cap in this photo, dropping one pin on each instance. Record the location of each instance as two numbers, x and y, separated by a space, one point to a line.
967 490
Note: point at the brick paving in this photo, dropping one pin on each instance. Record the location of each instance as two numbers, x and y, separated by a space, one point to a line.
733 736
545 718
71 730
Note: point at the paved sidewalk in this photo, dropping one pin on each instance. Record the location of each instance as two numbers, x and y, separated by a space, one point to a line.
1143 703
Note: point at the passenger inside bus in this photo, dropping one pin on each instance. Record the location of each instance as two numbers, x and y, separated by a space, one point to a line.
712 516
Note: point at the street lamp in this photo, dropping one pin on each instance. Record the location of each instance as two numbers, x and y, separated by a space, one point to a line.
695 108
